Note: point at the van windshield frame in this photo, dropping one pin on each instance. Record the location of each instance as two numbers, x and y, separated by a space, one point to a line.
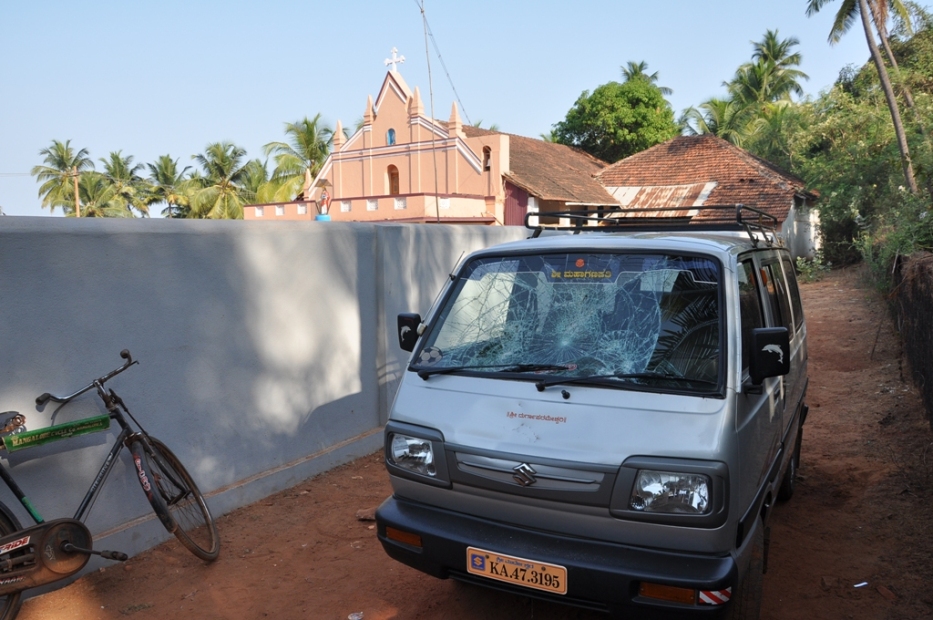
631 320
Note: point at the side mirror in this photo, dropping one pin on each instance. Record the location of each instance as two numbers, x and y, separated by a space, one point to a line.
408 323
770 353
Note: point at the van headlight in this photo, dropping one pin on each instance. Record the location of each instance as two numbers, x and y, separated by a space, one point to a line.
672 491
412 454
417 453
669 492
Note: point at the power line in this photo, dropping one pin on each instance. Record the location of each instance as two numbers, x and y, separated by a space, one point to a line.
15 174
441 58
427 56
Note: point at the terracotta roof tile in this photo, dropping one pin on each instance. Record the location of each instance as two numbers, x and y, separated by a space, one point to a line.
552 171
739 176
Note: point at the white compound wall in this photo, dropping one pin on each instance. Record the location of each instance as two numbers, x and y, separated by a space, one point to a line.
267 350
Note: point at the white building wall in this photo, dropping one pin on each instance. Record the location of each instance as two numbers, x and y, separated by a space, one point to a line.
801 232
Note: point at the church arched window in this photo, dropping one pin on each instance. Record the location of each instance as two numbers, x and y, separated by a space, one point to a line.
392 174
390 137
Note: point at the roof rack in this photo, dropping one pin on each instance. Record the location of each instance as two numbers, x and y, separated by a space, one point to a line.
714 218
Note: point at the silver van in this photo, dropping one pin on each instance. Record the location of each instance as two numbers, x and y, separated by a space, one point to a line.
603 419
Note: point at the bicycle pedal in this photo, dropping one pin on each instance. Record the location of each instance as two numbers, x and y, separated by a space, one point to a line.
117 556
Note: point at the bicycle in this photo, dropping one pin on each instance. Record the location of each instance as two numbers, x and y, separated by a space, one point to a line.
53 550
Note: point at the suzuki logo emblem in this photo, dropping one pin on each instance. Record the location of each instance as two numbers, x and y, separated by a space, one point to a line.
524 475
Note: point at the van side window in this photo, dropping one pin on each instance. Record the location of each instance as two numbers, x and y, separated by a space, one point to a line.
749 306
777 294
794 291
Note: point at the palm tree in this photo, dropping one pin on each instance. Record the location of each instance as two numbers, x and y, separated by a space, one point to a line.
775 54
220 195
169 186
770 77
771 129
59 176
300 157
725 118
849 11
131 189
256 183
879 13
100 197
639 71
752 84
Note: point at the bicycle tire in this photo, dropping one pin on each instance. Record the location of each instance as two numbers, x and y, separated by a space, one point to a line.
9 604
175 498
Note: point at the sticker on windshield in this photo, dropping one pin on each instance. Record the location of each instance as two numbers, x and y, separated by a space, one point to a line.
581 275
586 269
431 356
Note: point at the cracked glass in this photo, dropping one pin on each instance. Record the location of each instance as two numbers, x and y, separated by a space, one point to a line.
615 318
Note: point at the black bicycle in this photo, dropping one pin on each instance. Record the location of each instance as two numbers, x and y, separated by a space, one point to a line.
53 550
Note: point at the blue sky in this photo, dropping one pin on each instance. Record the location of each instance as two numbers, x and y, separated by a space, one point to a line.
169 77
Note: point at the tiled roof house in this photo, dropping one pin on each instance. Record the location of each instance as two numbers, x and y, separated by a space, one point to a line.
688 172
545 176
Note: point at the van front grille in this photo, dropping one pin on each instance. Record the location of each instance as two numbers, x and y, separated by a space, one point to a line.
544 478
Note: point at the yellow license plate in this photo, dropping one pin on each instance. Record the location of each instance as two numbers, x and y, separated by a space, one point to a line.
519 571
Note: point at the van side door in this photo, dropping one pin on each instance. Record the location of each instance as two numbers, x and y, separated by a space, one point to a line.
783 316
759 409
795 383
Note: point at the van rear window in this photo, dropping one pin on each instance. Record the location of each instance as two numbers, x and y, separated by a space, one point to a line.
584 314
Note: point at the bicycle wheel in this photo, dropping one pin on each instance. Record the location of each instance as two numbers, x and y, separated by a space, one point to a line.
175 498
9 604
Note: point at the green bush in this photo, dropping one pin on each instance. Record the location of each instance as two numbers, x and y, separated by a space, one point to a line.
812 269
905 227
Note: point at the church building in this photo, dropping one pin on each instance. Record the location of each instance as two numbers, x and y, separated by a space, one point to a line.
404 166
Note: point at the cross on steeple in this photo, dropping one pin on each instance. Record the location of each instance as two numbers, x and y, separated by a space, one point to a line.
395 60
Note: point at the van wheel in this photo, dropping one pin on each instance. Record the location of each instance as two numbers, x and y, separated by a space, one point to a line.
746 604
789 482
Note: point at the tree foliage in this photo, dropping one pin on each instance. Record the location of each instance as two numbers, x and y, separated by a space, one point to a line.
843 145
130 190
757 93
100 197
299 159
223 182
618 120
866 12
639 71
61 165
222 192
169 186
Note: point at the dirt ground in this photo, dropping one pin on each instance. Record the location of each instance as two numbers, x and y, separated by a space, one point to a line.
861 515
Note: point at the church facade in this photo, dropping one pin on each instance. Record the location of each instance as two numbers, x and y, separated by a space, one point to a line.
402 165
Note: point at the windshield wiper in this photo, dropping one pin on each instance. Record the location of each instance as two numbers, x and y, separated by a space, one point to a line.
424 373
540 385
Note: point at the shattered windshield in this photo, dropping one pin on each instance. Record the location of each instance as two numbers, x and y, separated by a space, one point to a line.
614 318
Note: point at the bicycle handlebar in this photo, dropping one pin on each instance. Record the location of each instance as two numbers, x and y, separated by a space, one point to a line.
125 354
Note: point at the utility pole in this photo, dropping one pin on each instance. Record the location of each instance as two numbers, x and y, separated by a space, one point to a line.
74 172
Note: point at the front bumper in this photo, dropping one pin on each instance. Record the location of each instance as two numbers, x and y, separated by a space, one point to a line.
600 575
